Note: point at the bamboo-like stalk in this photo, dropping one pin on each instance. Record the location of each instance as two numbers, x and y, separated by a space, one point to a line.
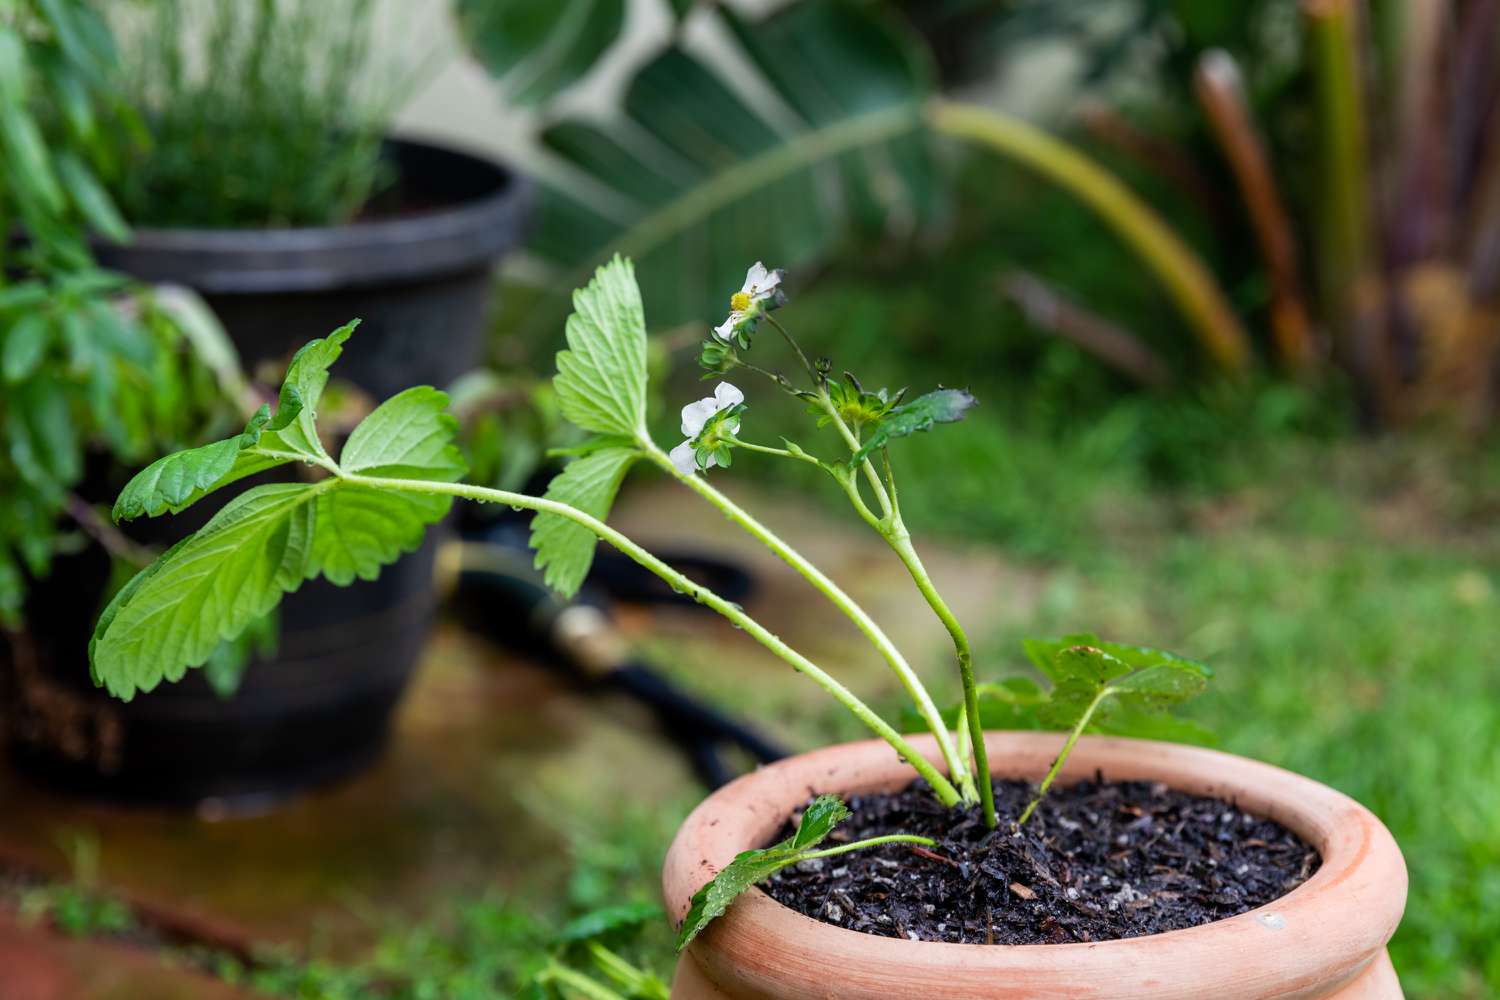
1183 273
1220 90
1347 282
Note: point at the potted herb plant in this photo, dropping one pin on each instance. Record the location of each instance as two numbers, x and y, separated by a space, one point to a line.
965 862
263 179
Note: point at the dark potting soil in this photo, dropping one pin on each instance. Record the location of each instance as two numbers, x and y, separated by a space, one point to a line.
1096 861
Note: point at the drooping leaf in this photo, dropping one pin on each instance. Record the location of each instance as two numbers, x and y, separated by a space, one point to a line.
941 406
42 434
236 568
565 550
696 182
88 195
750 867
536 48
25 343
601 377
207 588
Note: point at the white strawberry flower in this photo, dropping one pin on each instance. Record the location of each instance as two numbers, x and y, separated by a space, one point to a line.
700 415
760 285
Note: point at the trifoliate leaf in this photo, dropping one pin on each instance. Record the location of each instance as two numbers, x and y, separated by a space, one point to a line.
942 406
1131 688
565 550
750 867
601 377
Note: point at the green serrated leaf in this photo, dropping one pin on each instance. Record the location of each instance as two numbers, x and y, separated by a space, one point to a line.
1087 663
176 481
601 377
564 550
408 436
1162 686
294 426
750 867
235 569
207 588
1043 652
818 820
942 406
357 529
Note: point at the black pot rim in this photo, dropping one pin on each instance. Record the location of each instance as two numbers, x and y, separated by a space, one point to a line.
466 235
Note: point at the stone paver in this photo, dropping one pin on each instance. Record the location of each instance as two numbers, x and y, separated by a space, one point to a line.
37 964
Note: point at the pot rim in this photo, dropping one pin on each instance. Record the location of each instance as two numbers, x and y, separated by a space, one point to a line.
1326 931
465 233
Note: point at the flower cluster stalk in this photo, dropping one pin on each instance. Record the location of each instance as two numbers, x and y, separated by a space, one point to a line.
836 595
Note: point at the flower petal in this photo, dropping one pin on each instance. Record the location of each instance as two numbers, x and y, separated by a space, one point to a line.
726 395
767 285
725 330
754 278
695 415
684 458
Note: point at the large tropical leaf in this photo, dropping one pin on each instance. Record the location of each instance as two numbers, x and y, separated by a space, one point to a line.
537 48
702 173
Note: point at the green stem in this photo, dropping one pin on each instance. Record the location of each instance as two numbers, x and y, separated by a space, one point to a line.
942 787
900 541
780 452
861 619
859 845
1062 757
576 980
1187 279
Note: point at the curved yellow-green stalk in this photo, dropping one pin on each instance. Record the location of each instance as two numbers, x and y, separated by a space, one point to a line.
1187 279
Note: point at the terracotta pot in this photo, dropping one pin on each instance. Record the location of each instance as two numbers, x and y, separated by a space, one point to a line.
1326 938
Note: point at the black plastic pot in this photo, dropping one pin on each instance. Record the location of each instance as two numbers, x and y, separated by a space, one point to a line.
419 279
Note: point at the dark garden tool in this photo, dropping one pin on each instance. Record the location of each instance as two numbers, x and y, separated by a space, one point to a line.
498 593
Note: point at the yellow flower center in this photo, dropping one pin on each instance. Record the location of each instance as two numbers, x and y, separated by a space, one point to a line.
739 301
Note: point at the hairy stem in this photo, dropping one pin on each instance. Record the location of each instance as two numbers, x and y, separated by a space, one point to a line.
861 619
859 845
1062 756
942 787
900 541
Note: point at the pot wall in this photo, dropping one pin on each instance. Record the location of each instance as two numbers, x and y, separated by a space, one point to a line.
1324 939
